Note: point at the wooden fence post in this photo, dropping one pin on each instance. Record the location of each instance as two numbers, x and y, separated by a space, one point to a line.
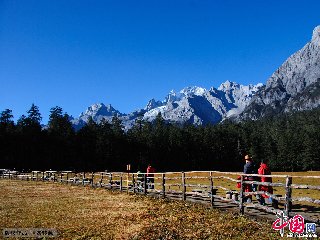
110 181
145 185
241 197
211 186
120 182
183 187
101 179
92 176
133 183
288 192
43 176
163 186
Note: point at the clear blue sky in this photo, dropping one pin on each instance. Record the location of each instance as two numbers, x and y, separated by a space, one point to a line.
76 53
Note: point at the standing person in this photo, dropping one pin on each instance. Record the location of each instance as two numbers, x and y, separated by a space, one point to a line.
150 176
249 168
265 170
139 180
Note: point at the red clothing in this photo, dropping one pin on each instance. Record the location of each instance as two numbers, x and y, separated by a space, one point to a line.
150 170
247 187
265 170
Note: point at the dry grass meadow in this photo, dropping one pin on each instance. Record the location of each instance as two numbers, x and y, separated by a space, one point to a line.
79 212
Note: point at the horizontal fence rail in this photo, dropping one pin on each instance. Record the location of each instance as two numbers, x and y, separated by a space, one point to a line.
184 186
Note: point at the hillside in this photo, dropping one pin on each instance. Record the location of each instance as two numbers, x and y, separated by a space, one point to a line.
293 86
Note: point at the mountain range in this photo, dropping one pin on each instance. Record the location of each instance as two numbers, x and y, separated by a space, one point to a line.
193 104
293 86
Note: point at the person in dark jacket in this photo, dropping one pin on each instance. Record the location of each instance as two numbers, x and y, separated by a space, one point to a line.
250 168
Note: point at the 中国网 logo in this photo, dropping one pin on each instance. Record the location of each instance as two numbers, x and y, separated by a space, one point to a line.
296 226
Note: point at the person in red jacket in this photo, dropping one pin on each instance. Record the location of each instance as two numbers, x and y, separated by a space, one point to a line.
265 170
150 176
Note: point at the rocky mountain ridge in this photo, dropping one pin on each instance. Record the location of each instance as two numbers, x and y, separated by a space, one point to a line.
193 104
293 86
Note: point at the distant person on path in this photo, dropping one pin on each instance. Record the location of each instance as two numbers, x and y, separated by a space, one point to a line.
139 180
249 168
265 170
150 176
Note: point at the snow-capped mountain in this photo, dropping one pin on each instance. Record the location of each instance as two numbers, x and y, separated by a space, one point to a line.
193 104
97 111
293 86
200 106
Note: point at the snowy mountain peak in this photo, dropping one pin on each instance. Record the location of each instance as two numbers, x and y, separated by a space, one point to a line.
199 106
193 104
188 91
316 36
293 86
172 96
98 109
153 104
228 86
198 91
94 108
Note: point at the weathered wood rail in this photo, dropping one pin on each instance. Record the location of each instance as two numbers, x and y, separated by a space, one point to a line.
181 186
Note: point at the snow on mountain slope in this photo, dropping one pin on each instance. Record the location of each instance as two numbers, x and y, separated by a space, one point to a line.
295 85
193 104
200 106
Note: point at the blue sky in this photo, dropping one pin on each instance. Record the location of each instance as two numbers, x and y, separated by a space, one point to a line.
73 54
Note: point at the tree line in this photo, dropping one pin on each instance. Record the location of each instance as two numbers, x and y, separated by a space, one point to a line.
289 142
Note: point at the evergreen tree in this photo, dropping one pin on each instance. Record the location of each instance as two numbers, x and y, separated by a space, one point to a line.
30 123
117 126
34 115
6 116
104 145
7 139
31 141
61 137
59 122
136 129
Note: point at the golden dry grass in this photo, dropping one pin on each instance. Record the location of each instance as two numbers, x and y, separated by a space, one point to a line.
93 213
301 207
315 194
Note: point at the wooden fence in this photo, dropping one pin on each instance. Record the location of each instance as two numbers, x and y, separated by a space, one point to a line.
191 186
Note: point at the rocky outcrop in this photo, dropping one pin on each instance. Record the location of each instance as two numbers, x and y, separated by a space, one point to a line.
293 86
